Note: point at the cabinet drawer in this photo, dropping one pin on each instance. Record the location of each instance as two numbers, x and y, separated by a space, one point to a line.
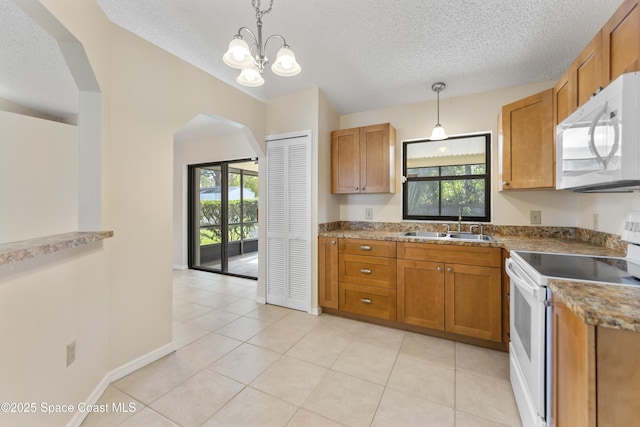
469 255
367 270
368 247
367 300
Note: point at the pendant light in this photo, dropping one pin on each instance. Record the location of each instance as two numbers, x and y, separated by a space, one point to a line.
438 131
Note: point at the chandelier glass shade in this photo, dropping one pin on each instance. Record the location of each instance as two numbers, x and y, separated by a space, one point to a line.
252 60
438 131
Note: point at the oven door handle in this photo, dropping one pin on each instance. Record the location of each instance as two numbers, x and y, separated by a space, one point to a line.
518 278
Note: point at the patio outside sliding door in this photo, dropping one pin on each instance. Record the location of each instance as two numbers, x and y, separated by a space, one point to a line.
223 217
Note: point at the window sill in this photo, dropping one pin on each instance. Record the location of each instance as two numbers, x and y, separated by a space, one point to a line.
33 248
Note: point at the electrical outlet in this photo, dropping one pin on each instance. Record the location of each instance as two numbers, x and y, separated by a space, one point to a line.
596 221
536 217
368 213
71 353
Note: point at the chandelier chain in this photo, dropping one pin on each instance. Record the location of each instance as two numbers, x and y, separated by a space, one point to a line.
261 13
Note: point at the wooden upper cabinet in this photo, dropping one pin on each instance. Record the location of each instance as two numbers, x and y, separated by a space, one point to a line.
580 81
621 42
563 97
363 160
528 152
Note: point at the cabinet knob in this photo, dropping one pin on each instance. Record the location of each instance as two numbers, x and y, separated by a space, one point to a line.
365 300
333 242
450 270
439 268
365 248
505 183
355 188
365 271
364 188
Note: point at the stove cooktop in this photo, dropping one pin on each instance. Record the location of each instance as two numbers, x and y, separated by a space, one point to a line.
582 267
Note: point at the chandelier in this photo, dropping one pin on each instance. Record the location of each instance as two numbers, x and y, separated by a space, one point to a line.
253 60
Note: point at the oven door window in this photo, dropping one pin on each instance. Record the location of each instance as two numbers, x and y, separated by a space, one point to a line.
522 324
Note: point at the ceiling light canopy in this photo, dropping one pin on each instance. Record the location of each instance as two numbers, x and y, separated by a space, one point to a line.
438 131
252 60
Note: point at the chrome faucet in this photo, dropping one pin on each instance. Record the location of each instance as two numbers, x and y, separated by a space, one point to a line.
459 219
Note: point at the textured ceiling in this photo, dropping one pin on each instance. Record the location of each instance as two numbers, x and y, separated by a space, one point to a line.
369 54
363 54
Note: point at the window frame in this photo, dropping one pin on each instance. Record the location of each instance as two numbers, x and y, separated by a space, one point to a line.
486 176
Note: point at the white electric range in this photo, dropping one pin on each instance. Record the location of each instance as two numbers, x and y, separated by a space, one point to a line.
530 312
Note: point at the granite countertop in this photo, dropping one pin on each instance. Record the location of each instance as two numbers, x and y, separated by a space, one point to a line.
32 248
508 242
610 306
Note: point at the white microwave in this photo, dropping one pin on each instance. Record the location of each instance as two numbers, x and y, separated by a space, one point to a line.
597 147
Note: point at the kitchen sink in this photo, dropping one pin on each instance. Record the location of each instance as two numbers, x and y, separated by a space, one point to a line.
469 237
425 234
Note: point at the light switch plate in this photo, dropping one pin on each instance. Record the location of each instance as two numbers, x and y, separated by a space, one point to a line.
368 213
536 217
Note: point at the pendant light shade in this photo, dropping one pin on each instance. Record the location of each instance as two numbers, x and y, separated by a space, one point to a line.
238 55
438 131
286 64
250 77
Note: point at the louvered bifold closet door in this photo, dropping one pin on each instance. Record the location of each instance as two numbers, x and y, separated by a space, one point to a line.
289 222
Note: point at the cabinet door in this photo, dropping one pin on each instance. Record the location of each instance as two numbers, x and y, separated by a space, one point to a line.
345 161
421 293
528 157
473 301
621 42
563 95
573 370
377 146
328 272
586 71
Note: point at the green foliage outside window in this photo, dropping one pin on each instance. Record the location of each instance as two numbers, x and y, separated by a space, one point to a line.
240 226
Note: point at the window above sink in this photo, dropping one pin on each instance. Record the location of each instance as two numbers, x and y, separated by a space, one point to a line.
446 179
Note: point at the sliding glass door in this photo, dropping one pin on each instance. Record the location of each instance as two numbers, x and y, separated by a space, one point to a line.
223 217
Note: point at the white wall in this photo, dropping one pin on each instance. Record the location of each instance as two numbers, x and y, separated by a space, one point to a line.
310 110
38 177
467 114
114 298
611 210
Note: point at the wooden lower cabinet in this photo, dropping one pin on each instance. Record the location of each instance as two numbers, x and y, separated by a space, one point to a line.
328 272
461 299
421 293
368 300
595 376
445 290
473 301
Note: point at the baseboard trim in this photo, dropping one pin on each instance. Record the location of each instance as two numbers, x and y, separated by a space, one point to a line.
117 374
261 300
316 311
141 361
180 267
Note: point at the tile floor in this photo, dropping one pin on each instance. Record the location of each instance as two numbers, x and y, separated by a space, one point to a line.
240 363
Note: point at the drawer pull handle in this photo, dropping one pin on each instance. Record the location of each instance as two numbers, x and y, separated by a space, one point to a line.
365 300
365 271
365 248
